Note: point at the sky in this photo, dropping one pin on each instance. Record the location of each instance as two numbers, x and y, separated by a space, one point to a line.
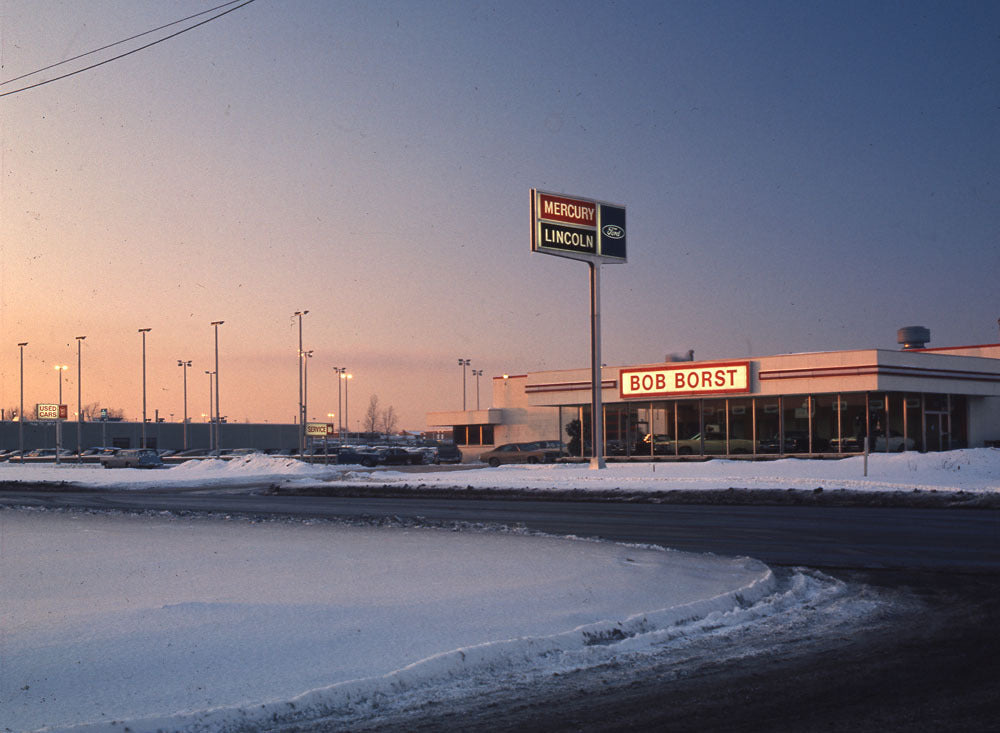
797 177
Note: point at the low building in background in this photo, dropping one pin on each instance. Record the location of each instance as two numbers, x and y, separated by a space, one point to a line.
823 403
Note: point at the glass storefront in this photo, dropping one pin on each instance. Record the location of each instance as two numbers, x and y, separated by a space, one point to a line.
775 425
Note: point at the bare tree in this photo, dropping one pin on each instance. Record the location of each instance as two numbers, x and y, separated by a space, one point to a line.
92 412
389 420
372 415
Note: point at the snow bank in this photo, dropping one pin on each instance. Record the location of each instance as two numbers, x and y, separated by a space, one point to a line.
976 470
159 623
973 470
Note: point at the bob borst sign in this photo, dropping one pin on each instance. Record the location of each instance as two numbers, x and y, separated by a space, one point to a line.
577 228
671 381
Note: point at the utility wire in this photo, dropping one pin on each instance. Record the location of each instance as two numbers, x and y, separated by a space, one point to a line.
127 53
116 43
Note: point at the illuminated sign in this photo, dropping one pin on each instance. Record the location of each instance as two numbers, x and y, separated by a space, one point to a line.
50 412
675 381
318 429
578 228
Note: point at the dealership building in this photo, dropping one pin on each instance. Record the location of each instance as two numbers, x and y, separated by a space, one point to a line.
823 403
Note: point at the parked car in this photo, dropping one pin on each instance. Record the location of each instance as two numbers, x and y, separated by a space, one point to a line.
349 455
897 443
662 445
447 453
133 458
795 442
520 453
192 453
715 444
847 444
399 457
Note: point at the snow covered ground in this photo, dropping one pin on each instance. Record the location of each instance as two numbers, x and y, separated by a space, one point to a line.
973 470
111 622
160 623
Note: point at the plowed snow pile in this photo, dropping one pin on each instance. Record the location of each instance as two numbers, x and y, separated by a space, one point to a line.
161 623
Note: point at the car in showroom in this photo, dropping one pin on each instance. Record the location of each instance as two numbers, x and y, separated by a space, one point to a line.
520 453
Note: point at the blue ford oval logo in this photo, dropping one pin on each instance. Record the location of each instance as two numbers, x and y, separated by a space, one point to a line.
613 231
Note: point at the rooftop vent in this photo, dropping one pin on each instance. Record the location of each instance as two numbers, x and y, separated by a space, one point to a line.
689 356
913 337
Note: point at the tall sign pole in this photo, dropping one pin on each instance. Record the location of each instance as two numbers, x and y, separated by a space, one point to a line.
594 232
597 409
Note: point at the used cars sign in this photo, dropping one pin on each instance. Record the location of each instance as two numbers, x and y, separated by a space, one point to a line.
50 412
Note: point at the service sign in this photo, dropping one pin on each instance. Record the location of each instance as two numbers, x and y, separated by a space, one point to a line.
50 412
578 228
683 381
318 429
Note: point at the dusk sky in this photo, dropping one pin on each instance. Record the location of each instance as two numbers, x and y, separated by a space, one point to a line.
798 176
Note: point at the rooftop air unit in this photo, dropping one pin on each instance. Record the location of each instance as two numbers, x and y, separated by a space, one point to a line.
913 337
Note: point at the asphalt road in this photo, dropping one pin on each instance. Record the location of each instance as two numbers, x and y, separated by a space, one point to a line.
931 663
965 540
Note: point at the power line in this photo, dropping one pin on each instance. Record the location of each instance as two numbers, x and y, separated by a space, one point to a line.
116 43
127 53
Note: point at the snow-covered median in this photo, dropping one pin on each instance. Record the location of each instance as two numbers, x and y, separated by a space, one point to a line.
115 622
975 470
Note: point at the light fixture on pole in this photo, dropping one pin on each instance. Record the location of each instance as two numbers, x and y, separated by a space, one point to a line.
345 378
60 368
20 409
185 365
464 363
218 418
302 407
79 402
477 373
144 331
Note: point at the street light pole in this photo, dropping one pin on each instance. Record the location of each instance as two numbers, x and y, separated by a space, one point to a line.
305 384
60 368
20 410
210 426
477 373
464 363
218 415
185 365
340 407
144 331
79 401
302 407
346 378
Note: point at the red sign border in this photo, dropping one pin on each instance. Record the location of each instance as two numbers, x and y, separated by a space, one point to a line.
676 366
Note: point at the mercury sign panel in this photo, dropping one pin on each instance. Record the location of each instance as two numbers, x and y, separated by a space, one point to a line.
577 228
678 381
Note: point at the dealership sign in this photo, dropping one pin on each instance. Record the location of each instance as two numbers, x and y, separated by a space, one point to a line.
319 429
50 412
578 228
680 381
